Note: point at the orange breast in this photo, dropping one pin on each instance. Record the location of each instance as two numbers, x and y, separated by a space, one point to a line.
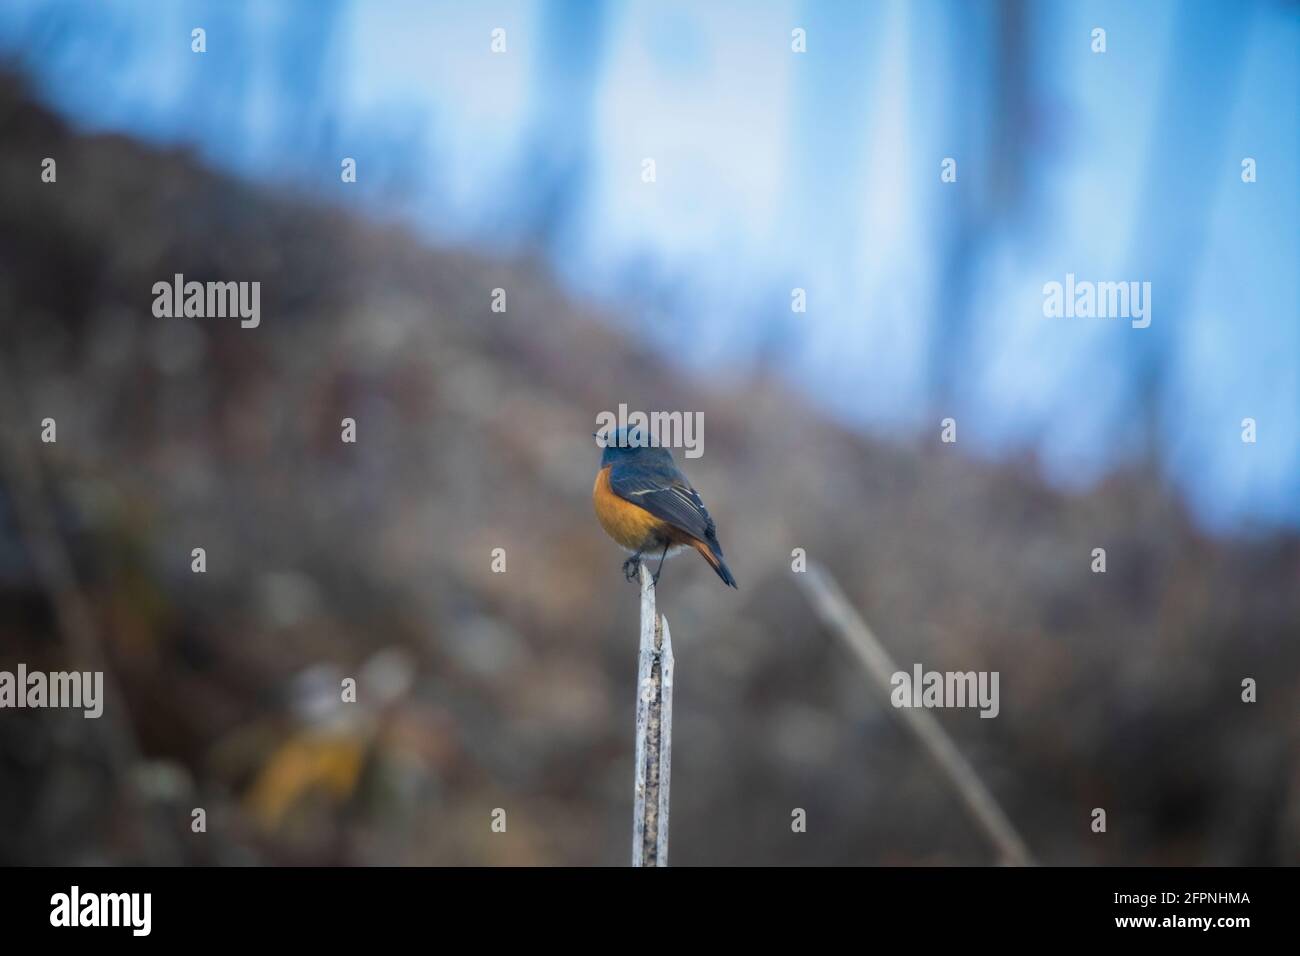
631 526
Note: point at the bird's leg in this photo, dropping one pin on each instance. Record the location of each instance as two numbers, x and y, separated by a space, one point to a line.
663 557
631 565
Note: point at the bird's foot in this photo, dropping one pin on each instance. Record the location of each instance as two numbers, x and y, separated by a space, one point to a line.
631 567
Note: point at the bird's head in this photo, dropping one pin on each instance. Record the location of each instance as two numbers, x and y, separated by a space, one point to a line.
621 443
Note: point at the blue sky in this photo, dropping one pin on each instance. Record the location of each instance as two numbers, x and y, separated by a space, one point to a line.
817 170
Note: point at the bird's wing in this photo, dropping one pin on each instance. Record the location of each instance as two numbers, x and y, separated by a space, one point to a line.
667 497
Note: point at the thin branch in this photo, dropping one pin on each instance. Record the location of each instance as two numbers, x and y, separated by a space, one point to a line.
835 611
654 733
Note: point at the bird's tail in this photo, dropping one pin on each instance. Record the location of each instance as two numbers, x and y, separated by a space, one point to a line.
713 554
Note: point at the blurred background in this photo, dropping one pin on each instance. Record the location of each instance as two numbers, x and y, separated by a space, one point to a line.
522 170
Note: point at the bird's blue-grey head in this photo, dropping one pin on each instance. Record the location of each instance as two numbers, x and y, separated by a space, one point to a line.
622 443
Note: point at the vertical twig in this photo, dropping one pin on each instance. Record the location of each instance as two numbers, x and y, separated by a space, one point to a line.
835 611
654 733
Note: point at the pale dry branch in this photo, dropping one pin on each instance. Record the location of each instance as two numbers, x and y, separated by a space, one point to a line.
654 733
835 611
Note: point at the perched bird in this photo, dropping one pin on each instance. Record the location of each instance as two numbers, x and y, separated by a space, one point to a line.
646 504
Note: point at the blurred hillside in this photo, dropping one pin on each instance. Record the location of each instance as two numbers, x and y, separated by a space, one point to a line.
482 690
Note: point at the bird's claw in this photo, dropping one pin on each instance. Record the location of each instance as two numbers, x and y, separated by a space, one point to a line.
631 566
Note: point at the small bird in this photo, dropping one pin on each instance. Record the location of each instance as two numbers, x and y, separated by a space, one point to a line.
646 504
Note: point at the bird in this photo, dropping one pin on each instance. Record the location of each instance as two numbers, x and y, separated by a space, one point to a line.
645 503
